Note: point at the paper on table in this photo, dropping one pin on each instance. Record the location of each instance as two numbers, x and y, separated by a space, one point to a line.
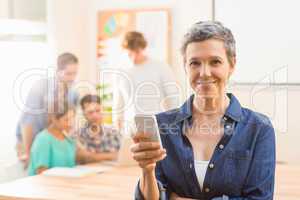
76 172
95 168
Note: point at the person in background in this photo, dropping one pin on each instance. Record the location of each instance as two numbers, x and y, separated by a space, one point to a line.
35 114
53 147
151 86
213 148
102 141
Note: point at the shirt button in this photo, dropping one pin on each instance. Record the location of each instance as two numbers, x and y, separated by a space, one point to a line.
225 118
206 190
227 126
221 146
211 165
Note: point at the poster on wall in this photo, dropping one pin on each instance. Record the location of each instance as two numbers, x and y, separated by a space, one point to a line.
112 25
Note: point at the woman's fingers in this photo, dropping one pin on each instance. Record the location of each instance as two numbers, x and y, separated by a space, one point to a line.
146 162
150 154
140 136
142 146
146 152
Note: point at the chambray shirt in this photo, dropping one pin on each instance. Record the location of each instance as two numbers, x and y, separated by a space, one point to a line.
242 166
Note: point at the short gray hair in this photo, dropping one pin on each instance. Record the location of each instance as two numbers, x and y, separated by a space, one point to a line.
205 30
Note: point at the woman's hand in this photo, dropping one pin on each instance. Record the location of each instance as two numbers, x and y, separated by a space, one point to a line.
40 170
146 153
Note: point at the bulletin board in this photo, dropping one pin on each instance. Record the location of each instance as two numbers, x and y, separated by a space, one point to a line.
155 24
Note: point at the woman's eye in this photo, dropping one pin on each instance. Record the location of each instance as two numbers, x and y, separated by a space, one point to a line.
194 64
215 62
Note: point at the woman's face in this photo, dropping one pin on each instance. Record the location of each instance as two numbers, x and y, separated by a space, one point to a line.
66 122
208 68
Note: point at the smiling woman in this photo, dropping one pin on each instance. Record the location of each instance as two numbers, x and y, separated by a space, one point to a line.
208 70
214 148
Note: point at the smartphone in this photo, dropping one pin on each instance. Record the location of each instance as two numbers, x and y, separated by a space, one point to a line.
148 124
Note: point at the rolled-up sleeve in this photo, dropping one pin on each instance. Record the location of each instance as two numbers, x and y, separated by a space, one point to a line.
33 109
34 106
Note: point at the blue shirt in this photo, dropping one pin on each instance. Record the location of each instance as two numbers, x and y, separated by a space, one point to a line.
242 166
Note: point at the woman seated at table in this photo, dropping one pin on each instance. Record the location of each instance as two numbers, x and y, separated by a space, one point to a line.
53 148
213 148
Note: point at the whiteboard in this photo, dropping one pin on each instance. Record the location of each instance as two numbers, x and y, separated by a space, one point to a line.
267 37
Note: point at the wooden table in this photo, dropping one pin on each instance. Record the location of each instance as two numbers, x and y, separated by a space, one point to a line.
287 184
118 184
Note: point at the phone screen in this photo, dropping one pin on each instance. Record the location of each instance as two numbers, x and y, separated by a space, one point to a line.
147 124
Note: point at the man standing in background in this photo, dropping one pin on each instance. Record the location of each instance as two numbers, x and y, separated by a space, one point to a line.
39 100
150 83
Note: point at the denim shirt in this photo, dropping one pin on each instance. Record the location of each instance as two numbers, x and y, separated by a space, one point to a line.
242 166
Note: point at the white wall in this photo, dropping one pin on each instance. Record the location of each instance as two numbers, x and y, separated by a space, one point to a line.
69 31
29 9
4 8
281 105
267 39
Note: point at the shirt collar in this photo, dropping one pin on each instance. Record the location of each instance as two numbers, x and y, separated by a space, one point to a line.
87 126
233 111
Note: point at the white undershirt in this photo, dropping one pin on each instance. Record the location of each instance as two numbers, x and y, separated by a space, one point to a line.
200 169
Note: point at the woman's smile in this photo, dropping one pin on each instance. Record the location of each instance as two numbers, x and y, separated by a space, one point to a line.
206 86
